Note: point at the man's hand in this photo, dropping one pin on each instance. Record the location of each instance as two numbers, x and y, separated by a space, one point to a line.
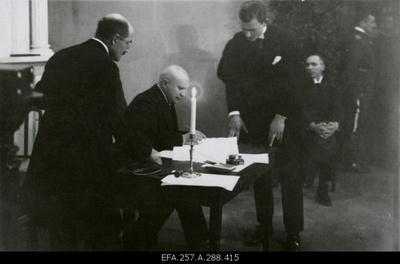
318 128
330 128
154 157
276 129
235 125
198 136
324 130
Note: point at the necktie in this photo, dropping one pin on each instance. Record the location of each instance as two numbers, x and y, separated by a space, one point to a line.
175 117
260 43
258 47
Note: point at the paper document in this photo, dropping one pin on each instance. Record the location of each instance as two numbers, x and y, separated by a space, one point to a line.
213 149
165 154
252 158
227 182
249 159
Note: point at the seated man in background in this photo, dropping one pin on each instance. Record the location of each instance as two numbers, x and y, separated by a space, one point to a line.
153 113
324 113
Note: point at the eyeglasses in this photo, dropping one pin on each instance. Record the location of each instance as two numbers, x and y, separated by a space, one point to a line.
128 43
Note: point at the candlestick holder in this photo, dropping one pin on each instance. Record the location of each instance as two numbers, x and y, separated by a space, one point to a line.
191 173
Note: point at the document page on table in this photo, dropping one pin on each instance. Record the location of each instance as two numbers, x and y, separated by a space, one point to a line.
212 149
227 182
252 158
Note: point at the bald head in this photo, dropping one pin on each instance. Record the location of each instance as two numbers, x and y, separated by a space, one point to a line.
112 24
116 32
173 73
174 80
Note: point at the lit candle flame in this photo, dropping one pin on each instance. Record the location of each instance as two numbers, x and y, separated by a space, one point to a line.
194 92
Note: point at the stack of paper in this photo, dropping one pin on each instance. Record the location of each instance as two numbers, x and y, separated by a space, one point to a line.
216 150
213 149
227 182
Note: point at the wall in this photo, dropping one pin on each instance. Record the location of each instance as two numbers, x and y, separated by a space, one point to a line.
189 33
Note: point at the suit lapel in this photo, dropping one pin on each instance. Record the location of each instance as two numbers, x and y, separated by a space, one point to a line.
312 91
175 117
119 96
269 46
167 112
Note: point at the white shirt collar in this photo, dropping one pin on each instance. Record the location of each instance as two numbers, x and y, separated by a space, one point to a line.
163 94
360 29
102 43
262 34
319 80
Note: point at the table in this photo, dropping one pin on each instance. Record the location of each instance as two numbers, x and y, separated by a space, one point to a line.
213 197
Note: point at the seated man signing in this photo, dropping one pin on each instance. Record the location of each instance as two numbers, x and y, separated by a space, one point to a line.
153 114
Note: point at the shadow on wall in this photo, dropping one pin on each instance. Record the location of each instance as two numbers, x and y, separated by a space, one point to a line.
202 68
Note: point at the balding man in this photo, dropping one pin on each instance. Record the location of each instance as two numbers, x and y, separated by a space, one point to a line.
153 111
69 179
153 114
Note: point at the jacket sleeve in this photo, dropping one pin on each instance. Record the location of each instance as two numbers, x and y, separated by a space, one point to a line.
230 71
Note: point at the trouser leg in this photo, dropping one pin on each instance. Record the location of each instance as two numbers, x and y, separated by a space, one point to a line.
191 216
292 183
154 208
264 201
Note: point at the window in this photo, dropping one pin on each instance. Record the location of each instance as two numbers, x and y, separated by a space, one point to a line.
24 27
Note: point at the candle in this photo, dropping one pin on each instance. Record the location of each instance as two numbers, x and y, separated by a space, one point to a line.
193 112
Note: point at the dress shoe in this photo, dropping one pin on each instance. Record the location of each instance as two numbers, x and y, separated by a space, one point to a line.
257 236
357 168
292 243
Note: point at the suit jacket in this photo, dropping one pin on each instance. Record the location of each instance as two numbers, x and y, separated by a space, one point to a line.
322 103
155 118
358 69
83 103
257 86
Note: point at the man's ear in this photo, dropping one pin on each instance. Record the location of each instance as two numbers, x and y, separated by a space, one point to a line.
164 83
115 39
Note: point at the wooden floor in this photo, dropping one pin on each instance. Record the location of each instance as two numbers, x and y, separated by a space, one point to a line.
361 219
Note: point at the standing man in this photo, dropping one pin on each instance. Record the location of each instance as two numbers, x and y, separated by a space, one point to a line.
153 114
69 186
358 76
258 67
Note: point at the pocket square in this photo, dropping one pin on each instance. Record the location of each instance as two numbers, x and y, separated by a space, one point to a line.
276 60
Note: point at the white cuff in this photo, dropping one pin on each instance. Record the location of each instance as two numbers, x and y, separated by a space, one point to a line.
281 116
234 113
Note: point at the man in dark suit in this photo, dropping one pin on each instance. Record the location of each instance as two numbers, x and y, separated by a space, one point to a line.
358 76
323 105
259 68
153 113
70 185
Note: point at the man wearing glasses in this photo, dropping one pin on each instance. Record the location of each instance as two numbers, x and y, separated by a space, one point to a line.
259 67
70 179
